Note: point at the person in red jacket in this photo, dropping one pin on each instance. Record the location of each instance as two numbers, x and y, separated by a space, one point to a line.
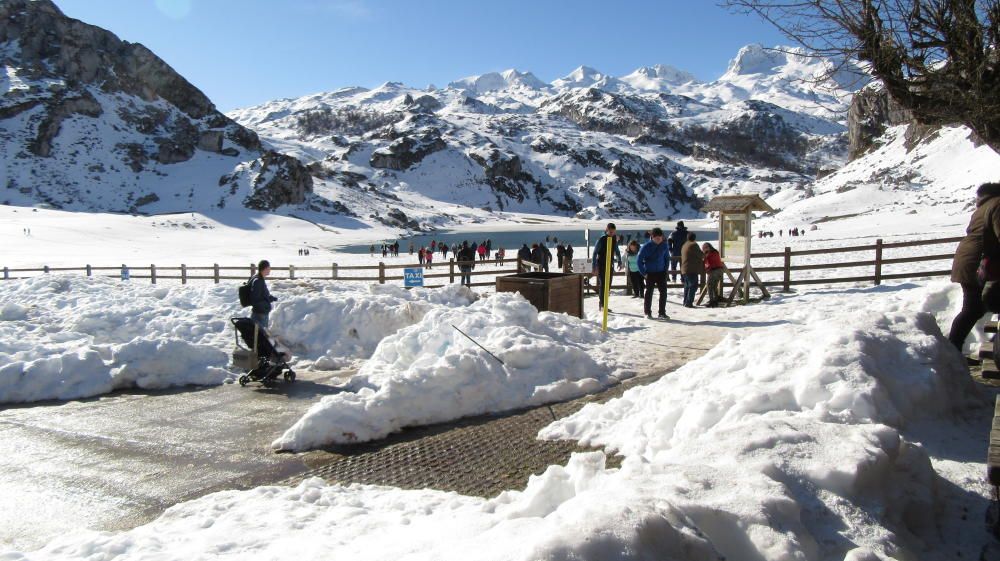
713 268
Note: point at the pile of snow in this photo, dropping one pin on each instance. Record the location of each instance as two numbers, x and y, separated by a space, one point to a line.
788 442
66 337
431 372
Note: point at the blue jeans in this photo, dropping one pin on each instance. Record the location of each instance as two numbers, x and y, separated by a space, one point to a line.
690 288
260 319
466 278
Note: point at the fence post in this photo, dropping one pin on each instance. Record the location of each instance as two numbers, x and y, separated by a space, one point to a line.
184 274
520 266
878 261
381 272
124 272
216 273
333 271
89 270
786 285
451 271
6 273
152 273
45 269
291 272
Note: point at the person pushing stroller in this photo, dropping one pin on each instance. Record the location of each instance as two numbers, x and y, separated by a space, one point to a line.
260 296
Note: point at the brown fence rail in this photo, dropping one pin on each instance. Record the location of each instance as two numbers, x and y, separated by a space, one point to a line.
449 270
362 273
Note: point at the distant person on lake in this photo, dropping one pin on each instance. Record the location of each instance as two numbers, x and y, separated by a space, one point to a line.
260 296
568 258
601 260
980 293
500 253
560 255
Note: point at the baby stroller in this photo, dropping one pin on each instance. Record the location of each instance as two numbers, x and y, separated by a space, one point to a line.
259 357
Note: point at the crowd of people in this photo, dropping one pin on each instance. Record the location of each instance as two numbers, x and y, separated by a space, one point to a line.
652 261
792 232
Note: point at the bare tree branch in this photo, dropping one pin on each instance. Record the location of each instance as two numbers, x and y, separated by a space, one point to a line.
937 58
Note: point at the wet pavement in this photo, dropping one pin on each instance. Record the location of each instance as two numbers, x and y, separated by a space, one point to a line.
120 460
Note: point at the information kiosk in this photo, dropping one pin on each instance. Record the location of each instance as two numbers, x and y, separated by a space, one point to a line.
735 219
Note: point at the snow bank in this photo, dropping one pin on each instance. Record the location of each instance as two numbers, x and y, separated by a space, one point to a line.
67 337
337 324
431 373
786 442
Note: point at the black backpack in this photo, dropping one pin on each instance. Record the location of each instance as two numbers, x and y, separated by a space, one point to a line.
244 292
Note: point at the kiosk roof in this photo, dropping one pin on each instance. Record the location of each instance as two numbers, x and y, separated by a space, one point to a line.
737 203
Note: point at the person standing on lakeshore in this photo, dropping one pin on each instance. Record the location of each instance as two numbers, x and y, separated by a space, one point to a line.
652 264
676 242
600 261
692 268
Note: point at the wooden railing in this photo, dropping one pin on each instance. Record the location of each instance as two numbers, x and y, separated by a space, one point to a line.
773 276
380 273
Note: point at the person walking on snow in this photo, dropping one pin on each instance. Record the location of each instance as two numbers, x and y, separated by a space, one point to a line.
652 264
982 241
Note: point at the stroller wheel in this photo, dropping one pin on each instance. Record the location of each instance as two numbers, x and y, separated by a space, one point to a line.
244 379
289 376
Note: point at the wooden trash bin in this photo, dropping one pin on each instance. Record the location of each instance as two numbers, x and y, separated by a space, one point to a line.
547 292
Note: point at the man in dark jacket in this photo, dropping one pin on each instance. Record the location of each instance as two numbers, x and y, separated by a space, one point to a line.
652 263
981 239
466 258
524 254
260 296
676 242
600 260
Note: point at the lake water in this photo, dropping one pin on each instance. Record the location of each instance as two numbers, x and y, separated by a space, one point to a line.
511 241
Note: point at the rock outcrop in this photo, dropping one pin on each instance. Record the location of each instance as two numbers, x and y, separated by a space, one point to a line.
282 180
872 111
407 151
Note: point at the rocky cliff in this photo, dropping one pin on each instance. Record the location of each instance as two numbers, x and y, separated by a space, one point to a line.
90 121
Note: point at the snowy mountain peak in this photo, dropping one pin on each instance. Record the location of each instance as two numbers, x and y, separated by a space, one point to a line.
658 77
493 81
756 59
585 77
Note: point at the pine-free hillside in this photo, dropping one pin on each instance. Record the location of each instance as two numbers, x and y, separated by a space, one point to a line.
652 144
91 122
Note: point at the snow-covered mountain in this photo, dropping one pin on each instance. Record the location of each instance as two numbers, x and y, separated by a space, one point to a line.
648 144
90 122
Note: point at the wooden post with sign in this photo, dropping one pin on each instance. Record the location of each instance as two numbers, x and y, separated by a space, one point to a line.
735 221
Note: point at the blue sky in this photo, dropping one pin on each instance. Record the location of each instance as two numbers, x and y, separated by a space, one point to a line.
245 52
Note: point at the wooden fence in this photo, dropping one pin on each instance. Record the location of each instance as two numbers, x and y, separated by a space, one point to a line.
773 276
380 273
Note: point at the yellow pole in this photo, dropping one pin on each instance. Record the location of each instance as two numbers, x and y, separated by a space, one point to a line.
607 283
